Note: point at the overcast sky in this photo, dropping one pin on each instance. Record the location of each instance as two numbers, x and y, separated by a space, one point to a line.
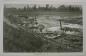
55 3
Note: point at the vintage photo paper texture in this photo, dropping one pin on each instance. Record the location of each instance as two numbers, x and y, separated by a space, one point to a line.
42 28
38 28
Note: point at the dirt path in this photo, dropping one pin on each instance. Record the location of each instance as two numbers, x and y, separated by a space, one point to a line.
5 20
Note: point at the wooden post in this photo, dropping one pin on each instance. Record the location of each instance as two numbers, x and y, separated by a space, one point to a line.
60 25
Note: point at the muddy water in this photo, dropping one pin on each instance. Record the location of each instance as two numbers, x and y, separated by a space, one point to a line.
49 21
52 22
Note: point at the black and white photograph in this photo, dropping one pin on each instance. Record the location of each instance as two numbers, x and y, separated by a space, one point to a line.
55 28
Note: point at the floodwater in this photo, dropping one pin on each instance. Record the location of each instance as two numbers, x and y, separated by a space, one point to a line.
51 22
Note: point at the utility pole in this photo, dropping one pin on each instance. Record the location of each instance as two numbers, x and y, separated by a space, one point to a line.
60 24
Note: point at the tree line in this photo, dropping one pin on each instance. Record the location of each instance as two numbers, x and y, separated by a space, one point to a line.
47 7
